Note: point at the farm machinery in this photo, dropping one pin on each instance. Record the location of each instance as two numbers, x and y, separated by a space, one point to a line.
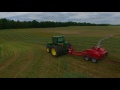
59 46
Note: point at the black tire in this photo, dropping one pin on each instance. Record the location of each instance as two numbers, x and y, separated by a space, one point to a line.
86 57
69 45
48 49
60 50
55 51
94 60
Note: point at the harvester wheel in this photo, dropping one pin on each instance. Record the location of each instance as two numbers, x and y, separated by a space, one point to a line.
94 60
48 49
87 58
55 51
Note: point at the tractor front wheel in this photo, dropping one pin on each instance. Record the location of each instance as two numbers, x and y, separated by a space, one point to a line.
48 49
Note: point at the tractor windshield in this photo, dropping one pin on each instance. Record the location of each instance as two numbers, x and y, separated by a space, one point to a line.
61 40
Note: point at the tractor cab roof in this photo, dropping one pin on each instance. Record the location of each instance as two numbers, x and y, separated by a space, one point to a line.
57 36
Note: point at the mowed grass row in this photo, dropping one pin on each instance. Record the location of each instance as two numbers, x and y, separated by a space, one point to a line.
23 53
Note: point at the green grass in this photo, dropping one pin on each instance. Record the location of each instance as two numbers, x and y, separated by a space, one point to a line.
23 53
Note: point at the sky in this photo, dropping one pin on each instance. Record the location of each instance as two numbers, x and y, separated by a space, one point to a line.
89 17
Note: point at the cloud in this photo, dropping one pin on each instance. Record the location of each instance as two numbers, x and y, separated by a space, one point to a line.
91 17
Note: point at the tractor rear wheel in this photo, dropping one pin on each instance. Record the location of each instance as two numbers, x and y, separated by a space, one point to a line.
69 45
86 57
48 49
60 50
94 60
55 51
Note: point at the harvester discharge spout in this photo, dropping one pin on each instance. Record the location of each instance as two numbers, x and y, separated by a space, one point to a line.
99 43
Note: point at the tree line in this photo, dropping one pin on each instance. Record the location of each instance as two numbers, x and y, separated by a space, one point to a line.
11 24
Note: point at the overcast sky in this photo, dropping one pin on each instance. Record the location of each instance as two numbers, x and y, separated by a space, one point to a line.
90 17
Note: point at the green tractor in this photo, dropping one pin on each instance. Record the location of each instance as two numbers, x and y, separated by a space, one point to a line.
58 46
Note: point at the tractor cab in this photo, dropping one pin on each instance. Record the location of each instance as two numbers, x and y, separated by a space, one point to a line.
58 39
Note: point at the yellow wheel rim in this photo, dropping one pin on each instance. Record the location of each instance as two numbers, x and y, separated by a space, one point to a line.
47 49
53 51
